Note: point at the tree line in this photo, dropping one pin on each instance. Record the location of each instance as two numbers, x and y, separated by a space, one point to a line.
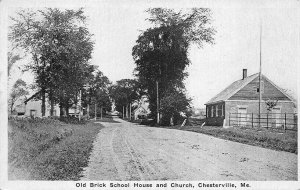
161 59
60 47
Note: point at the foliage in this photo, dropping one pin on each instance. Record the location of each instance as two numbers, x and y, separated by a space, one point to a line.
72 120
18 91
161 52
172 104
270 104
97 92
11 60
125 91
60 46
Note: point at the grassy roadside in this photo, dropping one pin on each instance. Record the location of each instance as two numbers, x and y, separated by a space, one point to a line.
48 149
282 141
257 137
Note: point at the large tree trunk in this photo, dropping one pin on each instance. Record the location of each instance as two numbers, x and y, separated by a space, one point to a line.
67 110
61 110
43 102
11 108
12 105
51 102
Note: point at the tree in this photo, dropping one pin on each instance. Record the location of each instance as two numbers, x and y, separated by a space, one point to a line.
97 93
125 92
161 52
172 105
60 46
270 104
11 60
18 91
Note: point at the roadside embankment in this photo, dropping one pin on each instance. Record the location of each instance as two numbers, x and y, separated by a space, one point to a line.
48 149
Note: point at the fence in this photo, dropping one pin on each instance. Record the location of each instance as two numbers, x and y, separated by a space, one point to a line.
284 121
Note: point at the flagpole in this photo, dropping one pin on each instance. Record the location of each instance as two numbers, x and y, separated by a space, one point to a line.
260 95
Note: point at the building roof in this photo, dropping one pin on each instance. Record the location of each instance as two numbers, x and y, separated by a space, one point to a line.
33 96
232 89
238 85
143 107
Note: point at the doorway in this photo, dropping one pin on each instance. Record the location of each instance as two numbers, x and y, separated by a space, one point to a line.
276 117
242 116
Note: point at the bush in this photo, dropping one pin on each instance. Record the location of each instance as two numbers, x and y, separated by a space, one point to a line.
73 120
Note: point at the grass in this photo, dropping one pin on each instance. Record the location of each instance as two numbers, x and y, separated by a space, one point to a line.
105 119
266 138
48 149
285 141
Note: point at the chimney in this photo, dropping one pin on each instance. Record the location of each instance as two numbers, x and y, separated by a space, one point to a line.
244 73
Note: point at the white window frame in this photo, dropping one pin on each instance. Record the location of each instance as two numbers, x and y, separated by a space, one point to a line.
217 109
222 107
212 111
207 108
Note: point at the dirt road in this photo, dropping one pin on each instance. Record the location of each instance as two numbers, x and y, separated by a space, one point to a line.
126 151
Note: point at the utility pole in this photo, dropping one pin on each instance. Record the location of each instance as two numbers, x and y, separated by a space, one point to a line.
101 111
79 105
86 88
123 112
260 95
157 101
129 111
95 111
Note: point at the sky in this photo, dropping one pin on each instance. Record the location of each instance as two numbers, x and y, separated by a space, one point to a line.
117 24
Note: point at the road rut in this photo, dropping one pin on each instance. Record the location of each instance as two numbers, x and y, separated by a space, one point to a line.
126 151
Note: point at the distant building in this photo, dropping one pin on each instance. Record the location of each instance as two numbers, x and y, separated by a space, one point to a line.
199 113
142 109
242 97
33 107
140 112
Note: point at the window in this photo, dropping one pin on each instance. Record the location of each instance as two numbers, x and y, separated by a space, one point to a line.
212 111
217 107
256 87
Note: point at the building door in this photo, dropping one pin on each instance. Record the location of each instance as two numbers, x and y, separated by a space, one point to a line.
242 116
276 117
32 113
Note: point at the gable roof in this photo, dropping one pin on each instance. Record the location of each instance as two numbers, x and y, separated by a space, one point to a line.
232 89
143 107
239 84
282 91
33 96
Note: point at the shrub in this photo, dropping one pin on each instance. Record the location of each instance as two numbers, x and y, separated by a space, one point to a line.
72 120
